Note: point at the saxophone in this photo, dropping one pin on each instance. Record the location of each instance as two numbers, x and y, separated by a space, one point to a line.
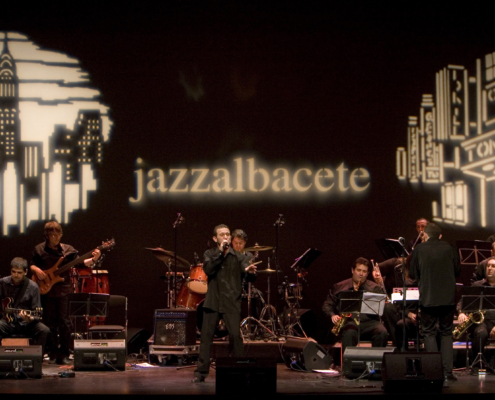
473 318
338 326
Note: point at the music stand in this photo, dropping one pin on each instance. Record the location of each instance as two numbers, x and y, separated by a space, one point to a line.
306 259
475 299
472 252
87 305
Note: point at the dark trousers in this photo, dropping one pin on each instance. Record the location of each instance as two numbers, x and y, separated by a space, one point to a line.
56 317
481 334
368 330
37 331
444 317
411 333
210 322
390 317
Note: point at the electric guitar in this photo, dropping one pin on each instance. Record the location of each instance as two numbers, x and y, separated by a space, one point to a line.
53 274
7 311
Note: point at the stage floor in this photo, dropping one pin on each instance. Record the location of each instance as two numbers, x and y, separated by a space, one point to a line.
174 379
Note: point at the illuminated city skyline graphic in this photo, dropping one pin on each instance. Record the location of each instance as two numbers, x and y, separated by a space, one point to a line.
451 145
52 130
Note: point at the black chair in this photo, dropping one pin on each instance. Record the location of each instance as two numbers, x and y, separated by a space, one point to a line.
115 326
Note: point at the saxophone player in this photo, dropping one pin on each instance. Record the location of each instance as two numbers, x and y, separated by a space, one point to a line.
370 326
486 329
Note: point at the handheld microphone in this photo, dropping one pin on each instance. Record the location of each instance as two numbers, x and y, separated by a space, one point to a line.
225 246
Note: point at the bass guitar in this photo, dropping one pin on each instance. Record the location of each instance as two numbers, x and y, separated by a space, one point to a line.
53 274
7 311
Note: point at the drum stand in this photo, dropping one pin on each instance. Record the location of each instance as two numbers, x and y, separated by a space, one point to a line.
269 311
293 313
246 322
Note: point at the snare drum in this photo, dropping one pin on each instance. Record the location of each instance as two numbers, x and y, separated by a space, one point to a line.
294 291
197 282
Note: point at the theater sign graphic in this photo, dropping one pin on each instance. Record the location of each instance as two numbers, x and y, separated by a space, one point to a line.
52 128
451 145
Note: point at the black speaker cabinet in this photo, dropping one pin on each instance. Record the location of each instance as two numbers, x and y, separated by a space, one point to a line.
364 361
20 361
241 376
300 353
412 372
175 327
105 355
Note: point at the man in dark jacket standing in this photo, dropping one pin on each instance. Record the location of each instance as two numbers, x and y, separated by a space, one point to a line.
435 265
225 269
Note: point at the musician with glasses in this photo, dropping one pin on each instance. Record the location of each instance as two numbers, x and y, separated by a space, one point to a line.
56 301
225 268
20 297
485 330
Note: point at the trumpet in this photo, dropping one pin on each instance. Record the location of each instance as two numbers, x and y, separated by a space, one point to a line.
338 326
473 318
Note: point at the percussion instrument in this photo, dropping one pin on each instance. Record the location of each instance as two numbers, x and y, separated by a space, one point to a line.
188 299
198 281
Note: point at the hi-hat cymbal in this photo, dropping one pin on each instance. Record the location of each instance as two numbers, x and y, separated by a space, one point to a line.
267 271
169 257
258 248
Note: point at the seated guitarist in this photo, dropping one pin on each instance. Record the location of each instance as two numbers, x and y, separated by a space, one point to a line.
20 296
56 302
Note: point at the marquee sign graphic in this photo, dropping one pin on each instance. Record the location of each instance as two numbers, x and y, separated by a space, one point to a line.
52 130
451 144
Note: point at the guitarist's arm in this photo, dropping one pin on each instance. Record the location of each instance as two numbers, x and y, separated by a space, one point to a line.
38 271
91 262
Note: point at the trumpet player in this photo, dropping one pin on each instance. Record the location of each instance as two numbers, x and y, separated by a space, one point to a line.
486 329
370 326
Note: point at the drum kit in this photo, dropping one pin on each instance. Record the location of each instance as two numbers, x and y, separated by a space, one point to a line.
187 285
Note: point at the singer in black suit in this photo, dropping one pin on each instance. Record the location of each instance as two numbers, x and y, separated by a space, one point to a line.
225 269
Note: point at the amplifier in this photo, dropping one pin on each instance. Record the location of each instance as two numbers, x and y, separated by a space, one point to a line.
246 376
99 354
20 361
175 327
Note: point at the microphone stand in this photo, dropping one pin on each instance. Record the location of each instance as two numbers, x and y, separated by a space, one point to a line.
178 221
278 223
404 291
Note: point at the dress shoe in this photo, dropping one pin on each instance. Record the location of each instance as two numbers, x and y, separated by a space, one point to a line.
450 378
52 360
198 379
64 361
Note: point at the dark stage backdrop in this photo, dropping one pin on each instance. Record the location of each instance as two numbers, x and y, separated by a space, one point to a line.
266 110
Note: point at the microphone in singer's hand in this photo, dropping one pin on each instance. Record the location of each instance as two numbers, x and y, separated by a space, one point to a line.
225 246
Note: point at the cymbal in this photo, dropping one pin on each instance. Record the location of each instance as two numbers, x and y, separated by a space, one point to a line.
258 248
169 257
267 271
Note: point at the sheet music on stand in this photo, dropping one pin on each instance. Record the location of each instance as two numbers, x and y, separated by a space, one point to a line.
412 294
362 302
472 252
88 304
477 298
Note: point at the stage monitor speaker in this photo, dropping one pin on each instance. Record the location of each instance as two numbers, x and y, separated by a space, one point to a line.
20 361
305 354
412 372
105 355
175 327
364 362
244 376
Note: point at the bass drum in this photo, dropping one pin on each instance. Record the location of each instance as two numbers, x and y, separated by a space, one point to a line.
220 331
